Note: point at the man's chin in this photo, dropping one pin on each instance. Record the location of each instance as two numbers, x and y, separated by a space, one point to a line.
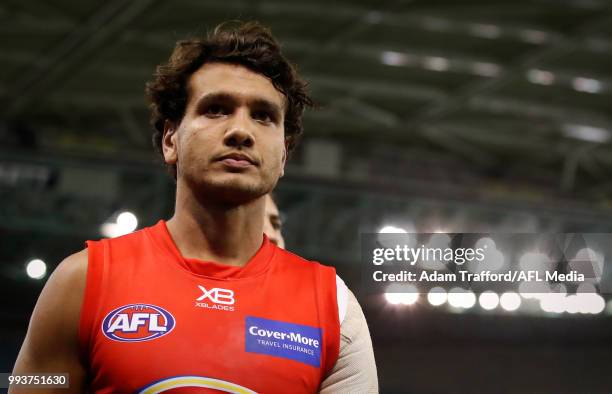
232 191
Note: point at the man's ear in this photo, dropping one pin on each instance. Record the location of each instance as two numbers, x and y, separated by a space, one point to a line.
169 142
284 161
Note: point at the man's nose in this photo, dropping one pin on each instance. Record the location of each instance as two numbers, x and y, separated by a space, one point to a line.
238 133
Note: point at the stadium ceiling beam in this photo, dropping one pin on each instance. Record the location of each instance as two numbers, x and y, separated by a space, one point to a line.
455 144
138 134
426 21
460 63
525 146
364 87
374 114
24 23
22 12
496 104
96 32
465 63
365 15
532 59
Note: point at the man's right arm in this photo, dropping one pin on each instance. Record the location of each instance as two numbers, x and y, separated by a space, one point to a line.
52 342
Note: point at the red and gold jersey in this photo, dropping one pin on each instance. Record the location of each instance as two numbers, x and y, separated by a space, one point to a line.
153 321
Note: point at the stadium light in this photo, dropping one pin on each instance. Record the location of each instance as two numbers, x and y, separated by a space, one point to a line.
488 300
125 223
405 295
437 296
36 269
510 301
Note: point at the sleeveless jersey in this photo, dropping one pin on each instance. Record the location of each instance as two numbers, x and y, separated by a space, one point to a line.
153 321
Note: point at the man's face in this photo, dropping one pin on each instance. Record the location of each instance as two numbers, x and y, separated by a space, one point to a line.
230 143
272 223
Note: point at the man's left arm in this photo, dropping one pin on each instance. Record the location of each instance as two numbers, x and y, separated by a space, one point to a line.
355 369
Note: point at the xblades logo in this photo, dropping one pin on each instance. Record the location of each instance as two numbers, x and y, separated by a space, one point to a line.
221 299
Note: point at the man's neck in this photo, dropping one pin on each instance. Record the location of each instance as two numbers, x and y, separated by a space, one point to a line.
216 232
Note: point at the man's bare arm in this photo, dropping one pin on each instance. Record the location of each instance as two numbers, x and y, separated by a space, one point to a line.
51 344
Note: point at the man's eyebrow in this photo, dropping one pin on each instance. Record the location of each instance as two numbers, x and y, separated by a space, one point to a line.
267 105
215 97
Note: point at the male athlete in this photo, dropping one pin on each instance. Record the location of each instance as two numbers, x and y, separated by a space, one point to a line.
273 222
204 301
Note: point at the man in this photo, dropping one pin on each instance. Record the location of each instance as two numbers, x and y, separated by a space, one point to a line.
201 301
273 223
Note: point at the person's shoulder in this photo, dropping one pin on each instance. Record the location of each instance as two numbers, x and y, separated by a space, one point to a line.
59 303
125 245
135 237
72 269
290 257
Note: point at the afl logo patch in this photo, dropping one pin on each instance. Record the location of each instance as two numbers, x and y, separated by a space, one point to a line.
137 323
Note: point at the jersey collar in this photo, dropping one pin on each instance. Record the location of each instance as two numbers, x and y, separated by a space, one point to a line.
256 265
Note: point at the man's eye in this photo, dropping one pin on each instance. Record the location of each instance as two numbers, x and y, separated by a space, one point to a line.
262 116
215 110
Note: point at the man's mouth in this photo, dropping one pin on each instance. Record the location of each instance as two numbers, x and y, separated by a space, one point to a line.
237 160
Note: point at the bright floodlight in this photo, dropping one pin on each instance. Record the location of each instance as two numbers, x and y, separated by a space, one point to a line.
126 223
510 301
393 298
493 258
469 299
588 85
541 77
590 303
390 236
392 58
409 298
571 304
402 298
555 302
399 294
461 298
586 133
598 305
392 230
436 296
488 300
36 269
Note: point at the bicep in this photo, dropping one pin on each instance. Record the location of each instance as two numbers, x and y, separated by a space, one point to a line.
51 344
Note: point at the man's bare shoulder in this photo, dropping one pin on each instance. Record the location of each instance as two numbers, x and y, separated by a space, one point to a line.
52 342
61 298
72 269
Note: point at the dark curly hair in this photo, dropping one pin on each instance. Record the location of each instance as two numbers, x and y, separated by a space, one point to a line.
247 44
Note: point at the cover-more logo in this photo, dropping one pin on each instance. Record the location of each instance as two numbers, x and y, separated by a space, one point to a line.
216 298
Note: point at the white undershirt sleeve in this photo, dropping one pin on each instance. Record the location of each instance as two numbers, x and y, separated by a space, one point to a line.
355 370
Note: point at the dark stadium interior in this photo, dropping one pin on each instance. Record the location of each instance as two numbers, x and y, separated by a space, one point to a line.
439 115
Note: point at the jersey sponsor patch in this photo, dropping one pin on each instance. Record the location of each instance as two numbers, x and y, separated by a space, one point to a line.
137 323
216 298
281 339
